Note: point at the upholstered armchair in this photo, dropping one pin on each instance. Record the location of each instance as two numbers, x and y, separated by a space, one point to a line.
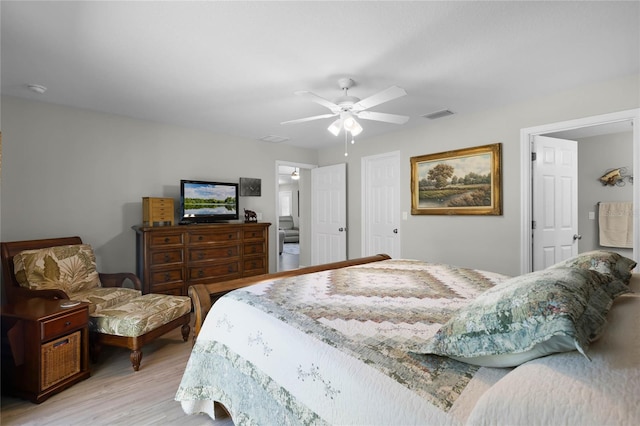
291 232
65 268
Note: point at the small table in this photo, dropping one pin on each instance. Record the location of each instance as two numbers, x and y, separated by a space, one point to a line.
45 347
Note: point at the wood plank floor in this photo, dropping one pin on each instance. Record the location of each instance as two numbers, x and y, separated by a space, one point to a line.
117 395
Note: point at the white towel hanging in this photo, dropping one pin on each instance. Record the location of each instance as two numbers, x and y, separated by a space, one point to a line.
615 220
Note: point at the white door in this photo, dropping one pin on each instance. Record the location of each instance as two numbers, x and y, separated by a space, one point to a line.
381 205
328 214
555 200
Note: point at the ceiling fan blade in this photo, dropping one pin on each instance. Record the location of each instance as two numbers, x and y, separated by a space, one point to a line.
386 95
315 117
381 116
318 99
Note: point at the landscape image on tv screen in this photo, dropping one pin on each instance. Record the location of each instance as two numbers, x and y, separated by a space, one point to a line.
205 199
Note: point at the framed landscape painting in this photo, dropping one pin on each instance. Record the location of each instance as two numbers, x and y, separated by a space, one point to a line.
461 182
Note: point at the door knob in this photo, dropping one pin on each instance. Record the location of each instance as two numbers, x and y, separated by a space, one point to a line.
577 237
395 231
340 229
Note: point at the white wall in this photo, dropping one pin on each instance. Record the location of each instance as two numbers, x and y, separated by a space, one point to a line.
485 242
596 155
75 172
68 171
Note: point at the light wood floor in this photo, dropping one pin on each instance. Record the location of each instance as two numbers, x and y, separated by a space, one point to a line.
117 395
289 261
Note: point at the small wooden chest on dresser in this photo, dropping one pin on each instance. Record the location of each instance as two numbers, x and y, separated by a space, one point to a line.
157 211
171 258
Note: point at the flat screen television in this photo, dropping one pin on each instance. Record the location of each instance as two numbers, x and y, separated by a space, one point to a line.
208 202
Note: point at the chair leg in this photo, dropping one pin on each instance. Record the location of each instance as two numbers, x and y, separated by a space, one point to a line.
135 357
185 331
94 348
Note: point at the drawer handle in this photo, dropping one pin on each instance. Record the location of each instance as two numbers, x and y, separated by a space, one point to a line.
67 323
200 256
166 239
230 236
253 264
231 268
167 258
60 343
200 273
200 238
167 276
229 252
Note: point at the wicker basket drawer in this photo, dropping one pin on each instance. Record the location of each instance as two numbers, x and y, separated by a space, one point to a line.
60 325
61 358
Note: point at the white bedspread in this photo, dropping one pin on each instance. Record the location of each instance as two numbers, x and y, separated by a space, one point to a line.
567 389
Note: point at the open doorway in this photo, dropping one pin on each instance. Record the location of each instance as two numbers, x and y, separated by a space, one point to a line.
576 129
292 215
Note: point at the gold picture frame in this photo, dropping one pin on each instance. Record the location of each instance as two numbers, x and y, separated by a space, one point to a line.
461 182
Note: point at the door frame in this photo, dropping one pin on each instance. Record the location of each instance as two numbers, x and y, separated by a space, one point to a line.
526 134
277 203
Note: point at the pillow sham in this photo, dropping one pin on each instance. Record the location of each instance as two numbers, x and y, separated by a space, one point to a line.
71 268
603 261
528 316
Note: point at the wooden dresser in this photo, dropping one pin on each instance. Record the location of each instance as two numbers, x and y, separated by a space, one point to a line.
171 258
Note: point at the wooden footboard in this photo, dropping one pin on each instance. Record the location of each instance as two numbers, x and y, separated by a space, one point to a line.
203 295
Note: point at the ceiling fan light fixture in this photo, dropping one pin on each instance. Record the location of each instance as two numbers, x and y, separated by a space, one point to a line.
335 127
353 127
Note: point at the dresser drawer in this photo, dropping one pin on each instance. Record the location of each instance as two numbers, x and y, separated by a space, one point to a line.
219 271
215 252
204 237
159 240
253 234
166 276
166 256
254 266
254 248
63 324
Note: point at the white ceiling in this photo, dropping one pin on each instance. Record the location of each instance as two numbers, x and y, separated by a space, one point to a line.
232 67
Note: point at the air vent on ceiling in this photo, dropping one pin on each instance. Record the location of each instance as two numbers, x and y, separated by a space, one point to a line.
438 114
274 139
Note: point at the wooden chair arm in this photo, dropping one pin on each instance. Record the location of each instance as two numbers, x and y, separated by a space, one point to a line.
25 293
118 279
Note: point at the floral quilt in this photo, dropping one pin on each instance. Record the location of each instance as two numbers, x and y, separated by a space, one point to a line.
334 347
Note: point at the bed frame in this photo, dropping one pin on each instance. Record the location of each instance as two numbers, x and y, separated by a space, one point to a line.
204 295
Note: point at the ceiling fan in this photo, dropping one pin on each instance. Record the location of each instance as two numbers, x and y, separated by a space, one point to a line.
347 108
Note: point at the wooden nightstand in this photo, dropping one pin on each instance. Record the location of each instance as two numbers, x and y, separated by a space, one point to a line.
45 347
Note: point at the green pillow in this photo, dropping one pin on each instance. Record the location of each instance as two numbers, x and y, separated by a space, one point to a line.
529 316
603 261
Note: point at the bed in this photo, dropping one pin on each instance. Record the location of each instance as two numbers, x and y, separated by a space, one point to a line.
353 343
